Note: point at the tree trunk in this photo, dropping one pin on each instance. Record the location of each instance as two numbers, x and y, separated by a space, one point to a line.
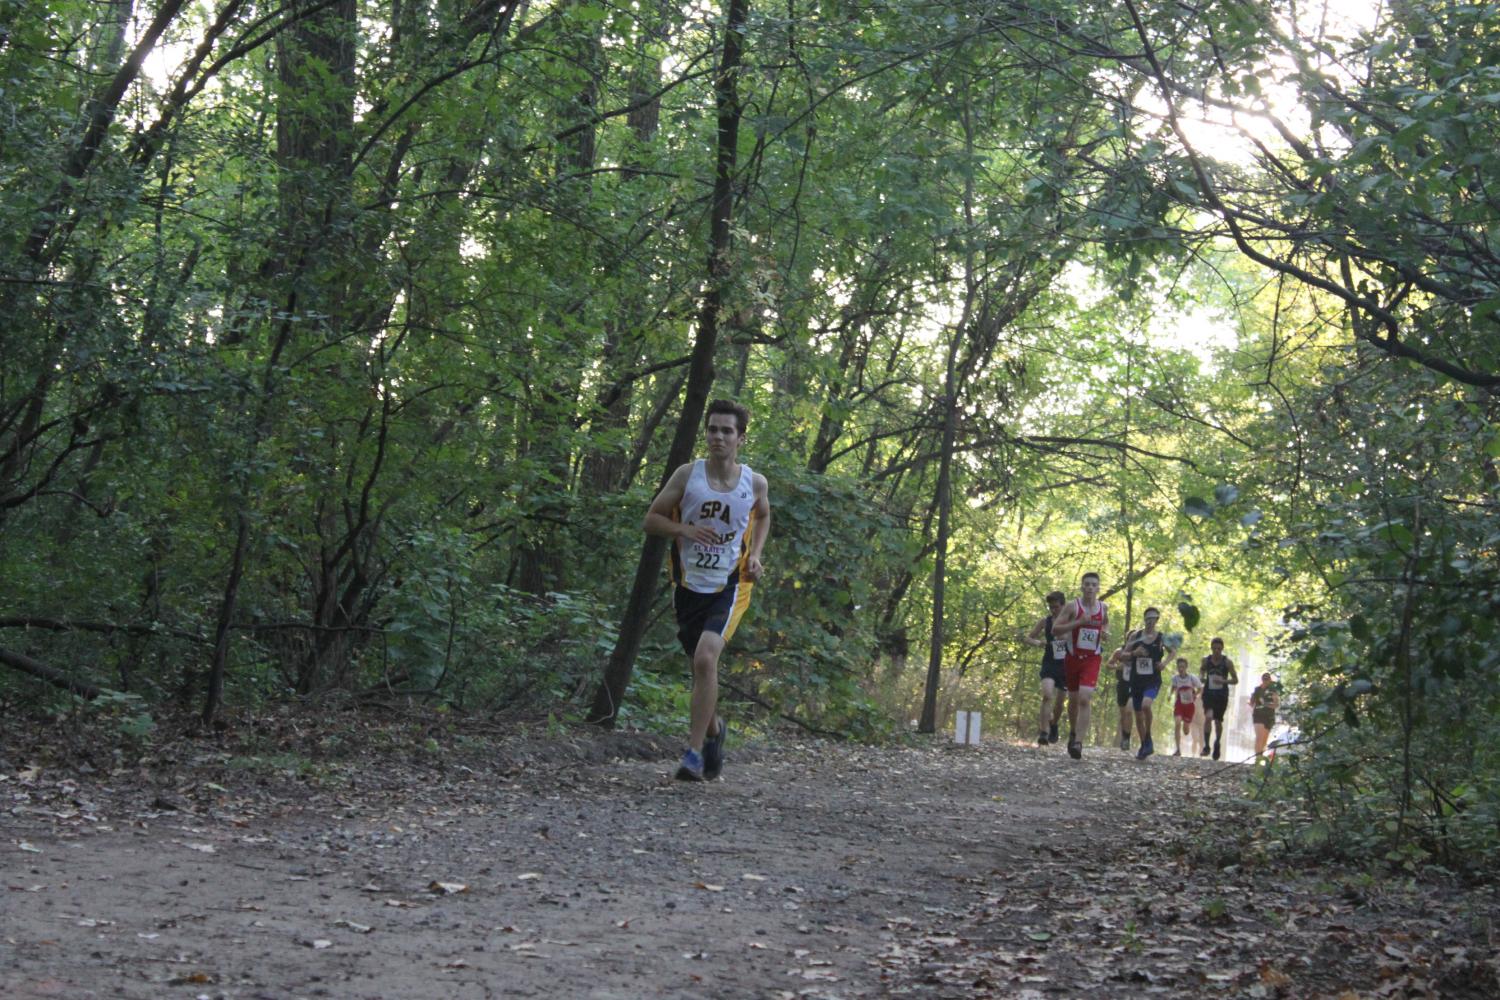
214 699
928 722
611 692
25 664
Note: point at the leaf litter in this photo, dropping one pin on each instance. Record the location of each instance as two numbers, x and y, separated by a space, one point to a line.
925 871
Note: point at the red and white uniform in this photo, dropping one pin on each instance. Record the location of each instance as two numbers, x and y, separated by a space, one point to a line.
1085 643
1185 689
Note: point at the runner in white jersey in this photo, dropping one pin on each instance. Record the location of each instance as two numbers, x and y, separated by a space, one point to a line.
1185 688
717 514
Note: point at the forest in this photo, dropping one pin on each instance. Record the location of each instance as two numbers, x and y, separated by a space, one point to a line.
345 343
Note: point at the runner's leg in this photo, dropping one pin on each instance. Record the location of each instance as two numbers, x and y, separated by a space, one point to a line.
1049 692
1084 696
705 696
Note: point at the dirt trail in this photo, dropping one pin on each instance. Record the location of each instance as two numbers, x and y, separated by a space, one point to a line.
583 871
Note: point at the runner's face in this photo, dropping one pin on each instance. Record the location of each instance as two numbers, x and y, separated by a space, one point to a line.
1090 588
1054 606
723 434
1151 623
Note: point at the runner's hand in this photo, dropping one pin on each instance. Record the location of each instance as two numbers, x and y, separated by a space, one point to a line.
700 533
753 568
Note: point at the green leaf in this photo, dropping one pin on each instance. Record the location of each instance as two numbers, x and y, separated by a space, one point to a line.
1400 534
1197 507
1189 613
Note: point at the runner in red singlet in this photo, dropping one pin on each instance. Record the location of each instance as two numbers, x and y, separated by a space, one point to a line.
1085 622
1185 688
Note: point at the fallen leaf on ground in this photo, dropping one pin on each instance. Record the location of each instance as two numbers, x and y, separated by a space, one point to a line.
447 888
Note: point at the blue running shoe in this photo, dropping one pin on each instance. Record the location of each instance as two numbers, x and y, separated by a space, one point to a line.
691 768
1147 749
713 750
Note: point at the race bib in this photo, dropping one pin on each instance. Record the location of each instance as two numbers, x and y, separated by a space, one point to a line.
1215 683
1088 638
1185 694
1059 649
1145 665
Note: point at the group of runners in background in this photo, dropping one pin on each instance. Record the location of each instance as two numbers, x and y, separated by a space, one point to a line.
1073 636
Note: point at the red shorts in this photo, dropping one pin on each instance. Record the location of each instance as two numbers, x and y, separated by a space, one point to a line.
1184 712
1081 670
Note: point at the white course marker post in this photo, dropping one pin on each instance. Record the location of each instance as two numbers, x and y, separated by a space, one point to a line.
966 726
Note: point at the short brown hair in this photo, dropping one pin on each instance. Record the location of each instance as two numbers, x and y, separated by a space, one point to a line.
740 414
1056 597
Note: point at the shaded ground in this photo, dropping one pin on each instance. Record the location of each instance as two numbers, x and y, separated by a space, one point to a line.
410 863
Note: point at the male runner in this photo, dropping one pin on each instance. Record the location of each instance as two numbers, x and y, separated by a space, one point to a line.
1217 672
1143 653
1085 623
1122 692
1185 689
717 514
1054 651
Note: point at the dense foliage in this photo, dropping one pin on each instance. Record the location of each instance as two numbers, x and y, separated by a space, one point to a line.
344 343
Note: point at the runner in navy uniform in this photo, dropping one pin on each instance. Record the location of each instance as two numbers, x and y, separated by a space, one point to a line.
1145 657
717 514
1122 695
1143 653
1054 683
1217 674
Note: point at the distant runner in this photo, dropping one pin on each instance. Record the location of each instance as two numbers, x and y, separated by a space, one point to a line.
1185 688
1217 673
717 514
1054 651
1264 701
1122 692
1085 623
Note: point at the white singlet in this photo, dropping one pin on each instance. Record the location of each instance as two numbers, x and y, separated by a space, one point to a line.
708 569
1186 687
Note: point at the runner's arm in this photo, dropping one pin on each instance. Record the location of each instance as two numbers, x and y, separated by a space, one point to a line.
1034 637
662 519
